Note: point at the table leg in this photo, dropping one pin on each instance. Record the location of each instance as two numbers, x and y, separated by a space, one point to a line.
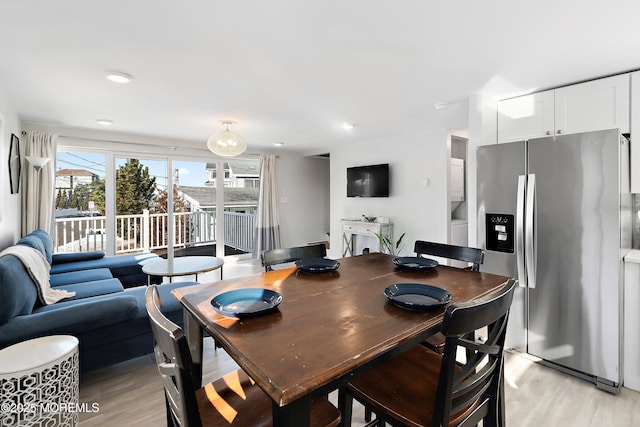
345 405
221 272
295 414
194 334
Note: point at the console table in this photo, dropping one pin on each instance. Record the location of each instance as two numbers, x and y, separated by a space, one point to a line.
353 228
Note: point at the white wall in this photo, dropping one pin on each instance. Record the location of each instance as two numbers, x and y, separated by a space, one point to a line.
9 203
483 130
303 189
419 210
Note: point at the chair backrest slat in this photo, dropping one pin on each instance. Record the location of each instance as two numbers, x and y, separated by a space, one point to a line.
474 256
280 256
174 363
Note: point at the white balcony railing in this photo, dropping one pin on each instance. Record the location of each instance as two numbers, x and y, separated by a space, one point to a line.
238 230
147 232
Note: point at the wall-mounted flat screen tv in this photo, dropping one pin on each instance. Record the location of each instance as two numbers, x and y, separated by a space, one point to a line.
368 181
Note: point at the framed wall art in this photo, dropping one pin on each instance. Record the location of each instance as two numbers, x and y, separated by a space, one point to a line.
15 163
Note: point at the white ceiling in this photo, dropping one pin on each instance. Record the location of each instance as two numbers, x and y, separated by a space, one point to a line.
293 71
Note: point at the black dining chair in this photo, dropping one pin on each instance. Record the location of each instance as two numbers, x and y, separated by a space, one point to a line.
233 400
471 255
280 256
422 388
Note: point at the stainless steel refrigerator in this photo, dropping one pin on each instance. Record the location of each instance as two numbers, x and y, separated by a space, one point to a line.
555 213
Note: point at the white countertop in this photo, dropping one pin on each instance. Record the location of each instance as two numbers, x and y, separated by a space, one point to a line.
633 256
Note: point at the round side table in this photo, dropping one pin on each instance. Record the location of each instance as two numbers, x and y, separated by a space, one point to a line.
39 382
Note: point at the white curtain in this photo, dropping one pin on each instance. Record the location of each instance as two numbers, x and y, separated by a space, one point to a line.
267 232
38 187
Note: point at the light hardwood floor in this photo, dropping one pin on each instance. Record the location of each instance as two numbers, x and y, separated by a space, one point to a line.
130 393
540 396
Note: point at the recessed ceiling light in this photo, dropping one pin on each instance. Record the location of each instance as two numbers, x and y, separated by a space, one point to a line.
118 77
278 144
348 126
105 122
440 106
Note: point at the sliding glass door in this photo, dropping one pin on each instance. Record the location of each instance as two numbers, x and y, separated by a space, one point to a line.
221 199
195 207
241 189
141 224
79 207
210 209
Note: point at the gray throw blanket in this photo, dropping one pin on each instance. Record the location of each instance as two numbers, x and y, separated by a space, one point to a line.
38 268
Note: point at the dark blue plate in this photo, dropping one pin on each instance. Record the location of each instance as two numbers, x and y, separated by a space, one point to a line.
417 296
415 263
317 265
246 302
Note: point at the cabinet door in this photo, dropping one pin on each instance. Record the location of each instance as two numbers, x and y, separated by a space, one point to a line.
631 350
596 105
635 130
525 117
456 180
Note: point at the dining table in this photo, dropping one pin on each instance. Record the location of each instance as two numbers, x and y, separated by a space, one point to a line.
329 327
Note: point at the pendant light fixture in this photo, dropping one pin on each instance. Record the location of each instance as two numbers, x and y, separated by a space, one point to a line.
227 143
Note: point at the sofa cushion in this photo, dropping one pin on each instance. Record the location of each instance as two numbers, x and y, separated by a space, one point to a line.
73 318
140 279
80 276
169 302
92 288
47 243
18 295
33 242
65 257
140 325
131 264
115 263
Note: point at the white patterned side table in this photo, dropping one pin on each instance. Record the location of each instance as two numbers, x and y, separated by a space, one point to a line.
39 382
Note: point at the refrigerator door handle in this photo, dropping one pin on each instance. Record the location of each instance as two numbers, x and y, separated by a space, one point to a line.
520 254
529 239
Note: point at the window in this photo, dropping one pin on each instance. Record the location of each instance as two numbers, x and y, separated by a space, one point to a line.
79 202
137 189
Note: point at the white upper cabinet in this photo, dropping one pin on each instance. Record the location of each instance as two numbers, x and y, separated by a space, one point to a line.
635 130
595 105
525 117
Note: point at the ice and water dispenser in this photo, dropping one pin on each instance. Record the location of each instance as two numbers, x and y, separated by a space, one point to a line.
500 232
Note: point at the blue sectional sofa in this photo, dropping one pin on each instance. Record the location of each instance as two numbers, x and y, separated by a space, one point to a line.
107 314
126 268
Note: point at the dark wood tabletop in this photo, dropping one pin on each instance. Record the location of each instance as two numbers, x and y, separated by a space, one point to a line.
328 327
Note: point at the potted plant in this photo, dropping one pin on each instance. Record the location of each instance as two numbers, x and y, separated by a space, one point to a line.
387 245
